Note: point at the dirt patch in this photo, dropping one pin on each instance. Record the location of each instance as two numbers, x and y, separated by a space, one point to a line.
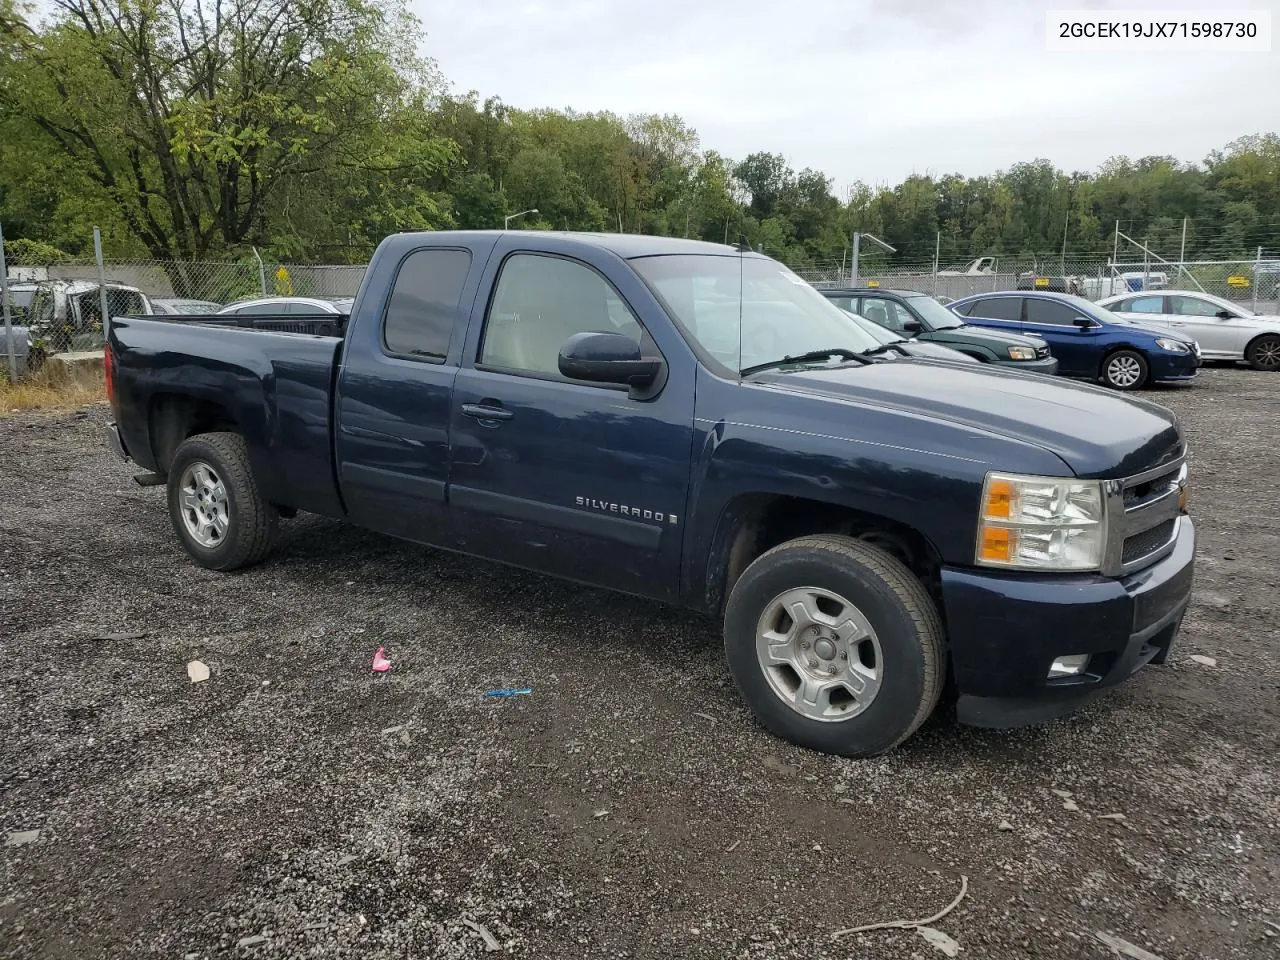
629 806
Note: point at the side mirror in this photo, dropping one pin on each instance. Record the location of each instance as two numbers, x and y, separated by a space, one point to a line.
912 326
607 358
1086 323
1224 315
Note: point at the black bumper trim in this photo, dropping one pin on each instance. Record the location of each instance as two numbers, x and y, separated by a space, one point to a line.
116 442
1062 698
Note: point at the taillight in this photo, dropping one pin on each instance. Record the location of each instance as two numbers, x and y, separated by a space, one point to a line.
109 373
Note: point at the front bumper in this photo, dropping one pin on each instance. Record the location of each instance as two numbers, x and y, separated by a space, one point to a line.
1047 365
1005 630
1168 367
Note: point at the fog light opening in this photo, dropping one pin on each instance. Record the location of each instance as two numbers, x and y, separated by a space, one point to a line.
1071 666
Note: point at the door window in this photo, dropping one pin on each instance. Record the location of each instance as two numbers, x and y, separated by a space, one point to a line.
1050 312
1142 305
997 308
424 304
1194 307
542 301
887 313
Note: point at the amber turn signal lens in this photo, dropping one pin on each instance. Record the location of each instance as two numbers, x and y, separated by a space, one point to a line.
999 499
997 544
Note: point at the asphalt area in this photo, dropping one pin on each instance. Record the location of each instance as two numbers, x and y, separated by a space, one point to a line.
298 805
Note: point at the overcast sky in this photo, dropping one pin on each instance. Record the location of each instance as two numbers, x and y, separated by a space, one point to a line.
868 90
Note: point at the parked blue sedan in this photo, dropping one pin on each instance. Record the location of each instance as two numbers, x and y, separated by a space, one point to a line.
1089 341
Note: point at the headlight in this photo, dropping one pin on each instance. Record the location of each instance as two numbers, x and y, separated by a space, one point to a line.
1022 353
1041 523
1173 346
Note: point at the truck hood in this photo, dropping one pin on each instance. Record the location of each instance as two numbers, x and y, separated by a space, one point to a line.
1094 432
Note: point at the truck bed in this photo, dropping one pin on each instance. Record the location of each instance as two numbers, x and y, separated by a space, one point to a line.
272 385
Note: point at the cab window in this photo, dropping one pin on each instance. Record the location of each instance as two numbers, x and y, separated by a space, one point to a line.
539 303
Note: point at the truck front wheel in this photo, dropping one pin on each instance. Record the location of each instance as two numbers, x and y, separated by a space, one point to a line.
835 645
217 510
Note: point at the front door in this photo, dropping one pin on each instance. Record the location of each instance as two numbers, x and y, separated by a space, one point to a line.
1198 318
570 478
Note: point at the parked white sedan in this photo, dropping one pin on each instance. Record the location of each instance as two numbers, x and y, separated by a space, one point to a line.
1224 330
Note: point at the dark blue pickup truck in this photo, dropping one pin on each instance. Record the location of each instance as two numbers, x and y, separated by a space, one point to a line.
694 424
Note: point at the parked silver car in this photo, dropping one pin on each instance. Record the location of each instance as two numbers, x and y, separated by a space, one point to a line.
1224 330
176 306
283 306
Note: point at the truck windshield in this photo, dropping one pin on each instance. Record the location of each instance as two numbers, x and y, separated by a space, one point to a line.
749 310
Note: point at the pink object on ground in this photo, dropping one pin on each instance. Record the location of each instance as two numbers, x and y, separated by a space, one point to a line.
380 663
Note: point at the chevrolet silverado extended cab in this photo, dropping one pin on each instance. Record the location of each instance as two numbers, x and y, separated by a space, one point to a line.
697 425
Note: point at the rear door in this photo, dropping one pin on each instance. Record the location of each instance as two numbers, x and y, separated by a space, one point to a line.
395 390
997 312
1152 308
1075 347
574 479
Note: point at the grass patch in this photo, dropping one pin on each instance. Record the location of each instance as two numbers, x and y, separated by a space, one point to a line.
55 386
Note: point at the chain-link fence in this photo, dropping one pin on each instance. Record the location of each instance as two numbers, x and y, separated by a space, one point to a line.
56 304
1253 284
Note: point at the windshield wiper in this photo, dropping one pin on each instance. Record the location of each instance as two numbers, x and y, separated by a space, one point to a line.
813 356
885 348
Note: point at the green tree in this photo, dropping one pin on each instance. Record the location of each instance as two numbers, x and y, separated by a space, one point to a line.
199 123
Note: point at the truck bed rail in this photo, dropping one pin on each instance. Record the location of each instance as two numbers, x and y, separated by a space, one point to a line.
316 325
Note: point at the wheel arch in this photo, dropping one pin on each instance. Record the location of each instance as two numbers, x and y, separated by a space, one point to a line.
752 523
1253 341
173 417
1112 349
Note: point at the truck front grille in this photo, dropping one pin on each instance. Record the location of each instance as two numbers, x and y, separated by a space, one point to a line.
1143 512
1143 544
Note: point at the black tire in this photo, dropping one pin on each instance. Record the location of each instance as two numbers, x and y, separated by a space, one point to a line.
251 522
896 605
1117 367
1263 353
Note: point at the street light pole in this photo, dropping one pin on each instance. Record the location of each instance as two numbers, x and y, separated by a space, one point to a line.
857 248
506 221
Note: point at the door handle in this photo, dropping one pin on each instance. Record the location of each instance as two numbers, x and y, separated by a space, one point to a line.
483 411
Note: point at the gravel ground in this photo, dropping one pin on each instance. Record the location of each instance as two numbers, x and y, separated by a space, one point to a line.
297 805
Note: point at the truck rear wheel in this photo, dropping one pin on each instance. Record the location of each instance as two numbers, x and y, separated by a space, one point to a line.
217 510
835 645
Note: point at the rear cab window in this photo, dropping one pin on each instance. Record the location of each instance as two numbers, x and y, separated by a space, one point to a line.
423 308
